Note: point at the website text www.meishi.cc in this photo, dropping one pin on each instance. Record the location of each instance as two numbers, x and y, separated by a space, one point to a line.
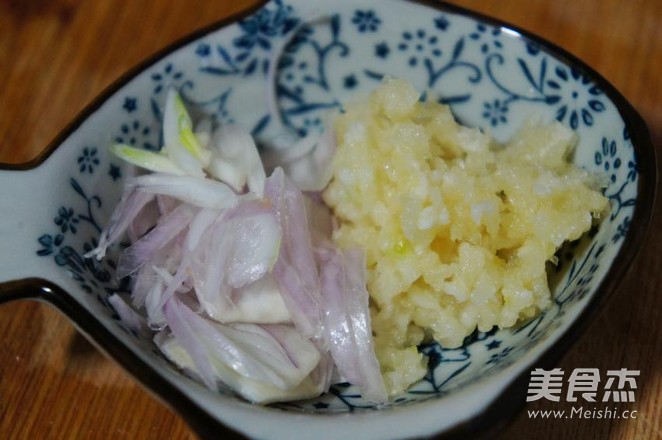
582 412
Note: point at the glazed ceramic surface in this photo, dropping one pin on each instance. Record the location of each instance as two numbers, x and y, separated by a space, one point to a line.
493 77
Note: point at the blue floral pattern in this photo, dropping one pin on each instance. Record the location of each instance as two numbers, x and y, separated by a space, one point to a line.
366 21
88 160
90 273
136 134
130 104
496 112
318 67
66 220
487 37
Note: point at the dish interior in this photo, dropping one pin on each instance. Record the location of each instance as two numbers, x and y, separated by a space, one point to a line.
492 77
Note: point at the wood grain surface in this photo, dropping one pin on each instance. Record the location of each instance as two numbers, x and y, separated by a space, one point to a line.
57 55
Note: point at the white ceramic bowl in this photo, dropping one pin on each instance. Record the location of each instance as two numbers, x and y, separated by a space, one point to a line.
493 76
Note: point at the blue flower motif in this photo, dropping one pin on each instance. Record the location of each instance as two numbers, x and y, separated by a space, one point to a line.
168 77
303 36
130 104
494 344
366 21
633 171
48 243
421 45
296 74
495 112
114 172
488 36
441 23
350 81
287 62
133 133
579 97
606 157
310 125
382 50
88 160
532 48
259 29
203 50
499 357
66 220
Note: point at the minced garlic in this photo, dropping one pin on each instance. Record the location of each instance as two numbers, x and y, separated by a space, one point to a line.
457 229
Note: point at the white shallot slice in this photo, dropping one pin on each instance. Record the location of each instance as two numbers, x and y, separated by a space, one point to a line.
181 143
240 248
132 319
251 390
347 321
271 355
129 206
256 240
259 302
295 270
158 162
133 257
236 160
311 170
144 221
183 152
202 192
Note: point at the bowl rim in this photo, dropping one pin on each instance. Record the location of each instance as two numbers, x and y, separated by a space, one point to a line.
502 409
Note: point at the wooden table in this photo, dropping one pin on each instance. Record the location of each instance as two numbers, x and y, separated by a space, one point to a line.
56 55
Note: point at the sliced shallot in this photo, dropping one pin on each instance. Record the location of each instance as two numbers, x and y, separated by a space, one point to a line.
347 321
275 356
295 270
